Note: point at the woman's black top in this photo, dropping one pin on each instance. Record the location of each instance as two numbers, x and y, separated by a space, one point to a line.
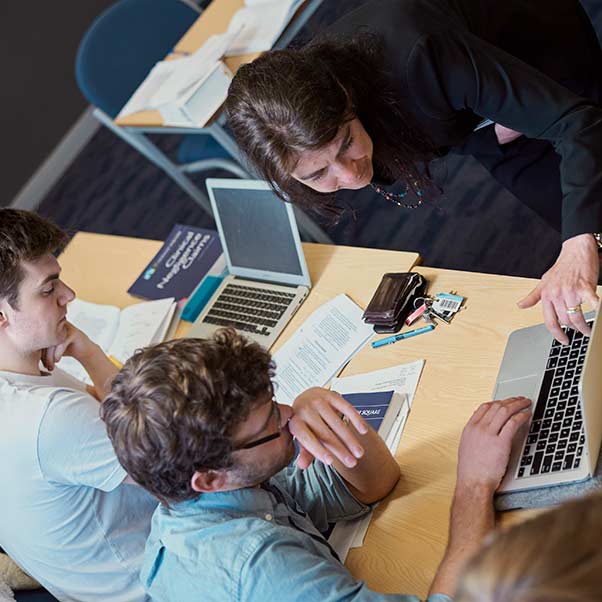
455 62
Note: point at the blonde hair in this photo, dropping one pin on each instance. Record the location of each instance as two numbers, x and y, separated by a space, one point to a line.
556 557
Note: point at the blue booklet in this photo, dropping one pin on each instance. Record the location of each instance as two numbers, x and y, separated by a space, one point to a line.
181 263
379 408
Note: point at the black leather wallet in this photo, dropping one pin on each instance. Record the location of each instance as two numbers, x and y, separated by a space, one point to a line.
393 300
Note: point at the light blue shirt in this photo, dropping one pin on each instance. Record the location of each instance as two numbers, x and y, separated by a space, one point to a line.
258 544
66 517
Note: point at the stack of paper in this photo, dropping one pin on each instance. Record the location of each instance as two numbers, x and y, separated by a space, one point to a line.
324 343
118 332
402 379
188 91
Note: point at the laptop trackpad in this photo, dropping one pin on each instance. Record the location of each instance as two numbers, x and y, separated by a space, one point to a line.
526 386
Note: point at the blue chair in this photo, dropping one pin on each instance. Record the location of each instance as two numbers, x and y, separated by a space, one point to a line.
116 54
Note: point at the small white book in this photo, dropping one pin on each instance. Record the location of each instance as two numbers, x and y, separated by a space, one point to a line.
119 332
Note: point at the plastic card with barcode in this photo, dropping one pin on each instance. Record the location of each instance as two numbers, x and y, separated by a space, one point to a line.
447 303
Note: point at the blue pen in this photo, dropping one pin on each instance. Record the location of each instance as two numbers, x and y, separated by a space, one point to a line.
403 335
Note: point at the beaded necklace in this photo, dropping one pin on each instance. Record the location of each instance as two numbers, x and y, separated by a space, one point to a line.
395 197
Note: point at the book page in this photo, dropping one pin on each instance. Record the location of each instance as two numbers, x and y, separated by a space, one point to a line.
323 344
168 325
99 322
139 325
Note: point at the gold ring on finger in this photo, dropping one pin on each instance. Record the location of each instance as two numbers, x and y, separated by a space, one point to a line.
576 309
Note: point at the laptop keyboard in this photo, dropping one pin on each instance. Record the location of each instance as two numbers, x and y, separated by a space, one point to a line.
249 309
556 437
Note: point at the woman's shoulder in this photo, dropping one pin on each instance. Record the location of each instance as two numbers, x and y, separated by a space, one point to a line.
400 25
409 19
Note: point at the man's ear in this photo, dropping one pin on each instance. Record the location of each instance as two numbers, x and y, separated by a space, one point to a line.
209 481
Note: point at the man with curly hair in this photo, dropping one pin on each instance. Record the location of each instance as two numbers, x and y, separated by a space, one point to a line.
195 423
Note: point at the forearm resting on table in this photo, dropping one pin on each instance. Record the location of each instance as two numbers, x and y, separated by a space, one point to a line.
472 518
376 472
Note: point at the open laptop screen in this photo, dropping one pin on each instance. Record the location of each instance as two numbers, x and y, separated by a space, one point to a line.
258 232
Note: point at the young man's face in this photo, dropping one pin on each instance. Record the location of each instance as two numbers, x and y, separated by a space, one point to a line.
255 465
40 320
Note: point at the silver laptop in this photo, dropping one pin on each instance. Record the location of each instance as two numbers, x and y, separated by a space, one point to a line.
561 443
268 277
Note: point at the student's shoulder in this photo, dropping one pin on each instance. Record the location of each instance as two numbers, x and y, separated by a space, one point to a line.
207 560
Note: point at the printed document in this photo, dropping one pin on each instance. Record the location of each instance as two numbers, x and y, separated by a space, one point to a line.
324 343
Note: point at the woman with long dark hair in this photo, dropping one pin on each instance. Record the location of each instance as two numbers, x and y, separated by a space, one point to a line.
396 83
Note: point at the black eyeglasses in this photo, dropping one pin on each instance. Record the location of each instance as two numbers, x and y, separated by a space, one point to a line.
267 438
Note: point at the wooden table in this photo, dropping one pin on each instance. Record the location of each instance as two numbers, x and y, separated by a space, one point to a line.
408 534
101 268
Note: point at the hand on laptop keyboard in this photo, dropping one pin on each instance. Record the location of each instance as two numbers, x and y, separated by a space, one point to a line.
570 282
487 439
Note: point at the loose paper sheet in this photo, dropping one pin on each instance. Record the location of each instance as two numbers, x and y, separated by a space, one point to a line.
260 24
324 343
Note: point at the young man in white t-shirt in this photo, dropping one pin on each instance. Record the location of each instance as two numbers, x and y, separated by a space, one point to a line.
68 513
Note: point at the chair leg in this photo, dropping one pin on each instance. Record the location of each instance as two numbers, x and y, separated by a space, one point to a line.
309 229
206 164
217 131
192 4
145 147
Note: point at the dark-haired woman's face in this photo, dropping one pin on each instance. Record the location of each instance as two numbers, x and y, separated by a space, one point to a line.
346 162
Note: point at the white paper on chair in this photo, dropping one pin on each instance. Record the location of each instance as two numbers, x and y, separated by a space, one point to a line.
171 83
118 332
260 23
322 345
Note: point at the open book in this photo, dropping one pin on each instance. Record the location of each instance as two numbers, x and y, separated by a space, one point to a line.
119 332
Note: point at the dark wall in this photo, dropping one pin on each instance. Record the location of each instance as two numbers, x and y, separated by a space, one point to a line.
39 99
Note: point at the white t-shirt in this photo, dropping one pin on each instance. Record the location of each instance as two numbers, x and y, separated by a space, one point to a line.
65 515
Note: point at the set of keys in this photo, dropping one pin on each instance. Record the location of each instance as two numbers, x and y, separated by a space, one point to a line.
442 307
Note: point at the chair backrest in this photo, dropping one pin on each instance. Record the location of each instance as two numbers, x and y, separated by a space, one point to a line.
122 45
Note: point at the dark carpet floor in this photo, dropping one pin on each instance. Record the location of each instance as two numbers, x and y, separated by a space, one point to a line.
476 225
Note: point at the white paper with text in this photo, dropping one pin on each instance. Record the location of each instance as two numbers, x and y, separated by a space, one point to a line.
323 344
